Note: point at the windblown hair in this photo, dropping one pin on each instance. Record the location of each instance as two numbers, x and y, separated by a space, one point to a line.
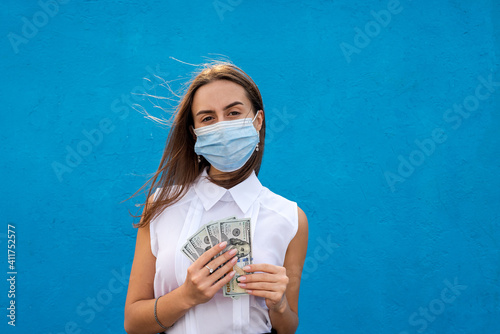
179 165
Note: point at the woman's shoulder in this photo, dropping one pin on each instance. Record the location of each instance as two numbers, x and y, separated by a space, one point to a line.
279 206
271 195
278 203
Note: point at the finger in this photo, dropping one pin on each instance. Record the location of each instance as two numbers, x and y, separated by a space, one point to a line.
258 286
224 269
263 293
209 254
217 286
219 261
265 267
258 278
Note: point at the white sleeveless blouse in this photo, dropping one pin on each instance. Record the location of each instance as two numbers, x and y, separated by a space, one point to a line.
274 224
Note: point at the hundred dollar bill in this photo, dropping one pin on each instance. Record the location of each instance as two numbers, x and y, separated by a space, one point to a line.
189 251
200 241
214 238
237 234
213 230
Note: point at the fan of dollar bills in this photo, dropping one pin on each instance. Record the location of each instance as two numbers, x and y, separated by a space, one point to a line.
237 234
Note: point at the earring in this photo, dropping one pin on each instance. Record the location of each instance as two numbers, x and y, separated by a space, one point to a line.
199 159
257 147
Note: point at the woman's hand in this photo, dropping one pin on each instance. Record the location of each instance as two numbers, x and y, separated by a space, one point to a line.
200 286
271 284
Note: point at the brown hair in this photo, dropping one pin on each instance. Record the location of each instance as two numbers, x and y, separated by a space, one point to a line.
179 165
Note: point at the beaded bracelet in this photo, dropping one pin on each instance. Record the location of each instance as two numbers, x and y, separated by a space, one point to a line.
156 317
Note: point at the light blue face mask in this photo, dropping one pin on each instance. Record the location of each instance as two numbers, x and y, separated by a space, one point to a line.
227 145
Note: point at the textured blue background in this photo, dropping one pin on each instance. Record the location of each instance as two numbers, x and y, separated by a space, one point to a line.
344 111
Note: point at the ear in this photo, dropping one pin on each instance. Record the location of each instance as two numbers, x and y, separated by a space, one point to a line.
258 121
192 132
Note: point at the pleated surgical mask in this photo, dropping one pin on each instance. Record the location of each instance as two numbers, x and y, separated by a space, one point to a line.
227 145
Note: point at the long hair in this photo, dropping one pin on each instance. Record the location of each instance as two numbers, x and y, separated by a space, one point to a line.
179 165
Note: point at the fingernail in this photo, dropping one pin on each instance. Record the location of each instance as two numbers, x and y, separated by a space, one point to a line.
222 245
233 251
246 268
241 279
242 284
234 260
232 273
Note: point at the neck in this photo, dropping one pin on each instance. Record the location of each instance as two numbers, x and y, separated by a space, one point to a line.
216 174
212 171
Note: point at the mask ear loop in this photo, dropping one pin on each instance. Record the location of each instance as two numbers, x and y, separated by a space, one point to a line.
258 132
255 116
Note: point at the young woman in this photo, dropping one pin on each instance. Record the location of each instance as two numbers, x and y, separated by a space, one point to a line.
209 172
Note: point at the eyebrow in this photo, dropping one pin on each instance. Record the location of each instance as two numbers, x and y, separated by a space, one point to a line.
235 103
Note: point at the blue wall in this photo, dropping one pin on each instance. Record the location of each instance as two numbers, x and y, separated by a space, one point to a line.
382 126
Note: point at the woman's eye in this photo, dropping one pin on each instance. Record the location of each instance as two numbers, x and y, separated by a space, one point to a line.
206 119
234 113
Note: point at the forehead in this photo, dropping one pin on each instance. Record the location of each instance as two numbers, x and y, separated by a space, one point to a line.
218 94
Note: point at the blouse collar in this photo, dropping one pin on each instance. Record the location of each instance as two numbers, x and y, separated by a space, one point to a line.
244 193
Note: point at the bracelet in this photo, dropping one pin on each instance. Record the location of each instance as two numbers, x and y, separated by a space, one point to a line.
156 317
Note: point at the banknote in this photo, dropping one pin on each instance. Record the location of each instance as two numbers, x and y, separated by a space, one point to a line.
214 230
189 251
237 234
200 240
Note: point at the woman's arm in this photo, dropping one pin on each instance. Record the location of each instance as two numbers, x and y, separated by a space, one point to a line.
139 306
280 285
199 286
286 318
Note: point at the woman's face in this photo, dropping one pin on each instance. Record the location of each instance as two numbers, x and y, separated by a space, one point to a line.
222 100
